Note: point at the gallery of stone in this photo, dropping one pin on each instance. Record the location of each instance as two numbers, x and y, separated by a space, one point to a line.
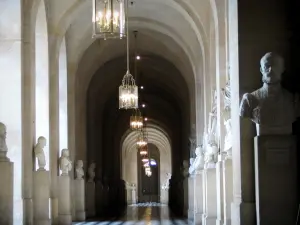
156 112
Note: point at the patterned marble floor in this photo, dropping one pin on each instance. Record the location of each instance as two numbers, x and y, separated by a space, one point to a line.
143 214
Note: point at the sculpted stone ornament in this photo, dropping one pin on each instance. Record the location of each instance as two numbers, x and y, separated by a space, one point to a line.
167 182
3 146
197 163
271 107
91 172
39 152
79 170
211 151
65 163
227 118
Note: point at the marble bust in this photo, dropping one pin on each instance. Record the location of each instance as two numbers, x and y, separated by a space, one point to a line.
227 118
39 152
3 146
271 107
79 170
211 151
167 182
91 172
65 163
198 162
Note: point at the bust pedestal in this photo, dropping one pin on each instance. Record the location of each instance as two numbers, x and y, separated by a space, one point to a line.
228 189
41 196
220 191
6 191
64 200
191 197
199 193
164 196
133 195
90 199
276 179
79 199
211 196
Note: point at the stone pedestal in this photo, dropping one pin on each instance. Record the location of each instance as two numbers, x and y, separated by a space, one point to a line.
220 192
191 197
6 192
185 197
227 190
211 196
133 195
164 196
90 199
276 180
129 196
41 197
199 193
64 201
79 195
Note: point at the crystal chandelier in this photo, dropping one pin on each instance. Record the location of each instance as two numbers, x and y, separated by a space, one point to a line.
143 150
148 171
142 139
109 19
136 120
128 91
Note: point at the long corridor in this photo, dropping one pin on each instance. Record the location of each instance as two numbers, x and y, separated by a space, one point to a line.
143 213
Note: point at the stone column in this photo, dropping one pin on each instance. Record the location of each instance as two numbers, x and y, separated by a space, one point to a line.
64 200
54 125
191 199
227 190
90 199
199 196
79 195
211 196
6 191
41 196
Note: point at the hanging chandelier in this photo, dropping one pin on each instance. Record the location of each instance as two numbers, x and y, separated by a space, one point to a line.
143 150
142 139
148 171
128 91
136 120
109 19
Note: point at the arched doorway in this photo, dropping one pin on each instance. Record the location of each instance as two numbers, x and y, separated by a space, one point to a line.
149 188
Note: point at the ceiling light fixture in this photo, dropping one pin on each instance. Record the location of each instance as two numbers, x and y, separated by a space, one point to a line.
109 19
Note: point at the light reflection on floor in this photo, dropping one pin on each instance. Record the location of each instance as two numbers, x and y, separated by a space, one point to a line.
143 214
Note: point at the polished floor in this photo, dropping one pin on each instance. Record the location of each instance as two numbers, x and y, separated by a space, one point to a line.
143 213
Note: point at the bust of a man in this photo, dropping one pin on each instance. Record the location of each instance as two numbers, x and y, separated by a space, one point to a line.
91 172
271 107
3 146
79 170
39 152
198 162
65 163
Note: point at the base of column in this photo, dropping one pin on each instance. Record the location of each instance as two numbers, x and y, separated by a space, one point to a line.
27 211
80 216
243 213
210 221
199 218
191 214
54 210
42 222
65 219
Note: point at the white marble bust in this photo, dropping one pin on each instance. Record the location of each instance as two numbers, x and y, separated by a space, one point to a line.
3 146
79 170
91 172
197 163
65 163
39 152
211 150
271 107
165 186
227 118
